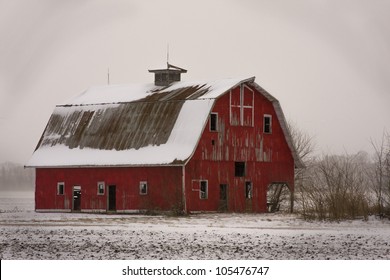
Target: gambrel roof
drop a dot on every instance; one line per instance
(133, 125)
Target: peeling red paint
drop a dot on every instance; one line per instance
(267, 156)
(239, 137)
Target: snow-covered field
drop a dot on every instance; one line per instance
(25, 234)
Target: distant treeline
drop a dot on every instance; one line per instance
(14, 177)
(337, 187)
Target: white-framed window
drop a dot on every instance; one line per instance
(100, 188)
(60, 188)
(143, 188)
(214, 122)
(267, 124)
(203, 191)
(248, 190)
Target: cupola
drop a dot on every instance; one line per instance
(164, 77)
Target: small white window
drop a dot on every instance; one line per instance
(100, 188)
(143, 188)
(203, 193)
(60, 188)
(213, 122)
(267, 124)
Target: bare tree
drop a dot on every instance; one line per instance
(380, 174)
(305, 147)
(303, 142)
(335, 188)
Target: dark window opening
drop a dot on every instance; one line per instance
(203, 190)
(100, 188)
(143, 188)
(239, 170)
(60, 188)
(213, 122)
(267, 124)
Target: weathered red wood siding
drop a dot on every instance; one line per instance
(164, 188)
(267, 156)
(239, 138)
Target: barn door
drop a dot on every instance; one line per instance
(223, 197)
(111, 198)
(76, 198)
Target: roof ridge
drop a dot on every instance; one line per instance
(126, 93)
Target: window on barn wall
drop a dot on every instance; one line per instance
(267, 124)
(100, 188)
(203, 191)
(60, 188)
(213, 122)
(143, 188)
(248, 190)
(242, 106)
(239, 169)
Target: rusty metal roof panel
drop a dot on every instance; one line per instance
(122, 127)
(134, 133)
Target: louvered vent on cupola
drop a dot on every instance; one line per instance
(164, 77)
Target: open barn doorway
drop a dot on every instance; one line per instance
(279, 197)
(111, 200)
(223, 197)
(76, 198)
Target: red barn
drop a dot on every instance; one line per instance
(171, 145)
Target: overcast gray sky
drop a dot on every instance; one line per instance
(328, 62)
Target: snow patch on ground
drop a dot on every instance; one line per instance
(25, 234)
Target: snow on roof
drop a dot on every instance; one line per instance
(112, 94)
(126, 125)
(137, 92)
(179, 146)
(93, 128)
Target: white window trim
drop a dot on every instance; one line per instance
(241, 106)
(200, 189)
(216, 122)
(270, 123)
(140, 187)
(104, 188)
(252, 107)
(234, 106)
(248, 195)
(58, 188)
